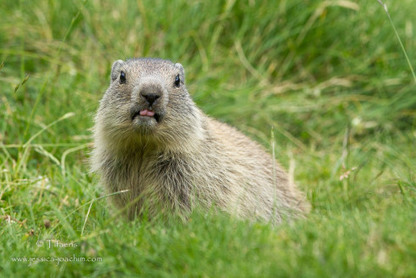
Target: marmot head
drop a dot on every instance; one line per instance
(147, 98)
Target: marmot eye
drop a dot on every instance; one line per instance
(122, 77)
(177, 81)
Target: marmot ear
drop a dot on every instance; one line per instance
(181, 71)
(115, 69)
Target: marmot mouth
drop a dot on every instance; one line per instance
(147, 113)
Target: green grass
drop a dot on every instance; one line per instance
(329, 79)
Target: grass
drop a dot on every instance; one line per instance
(329, 79)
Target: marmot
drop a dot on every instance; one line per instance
(151, 138)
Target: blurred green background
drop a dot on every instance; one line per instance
(326, 81)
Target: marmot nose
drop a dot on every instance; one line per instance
(150, 97)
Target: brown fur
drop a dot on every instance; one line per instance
(186, 158)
